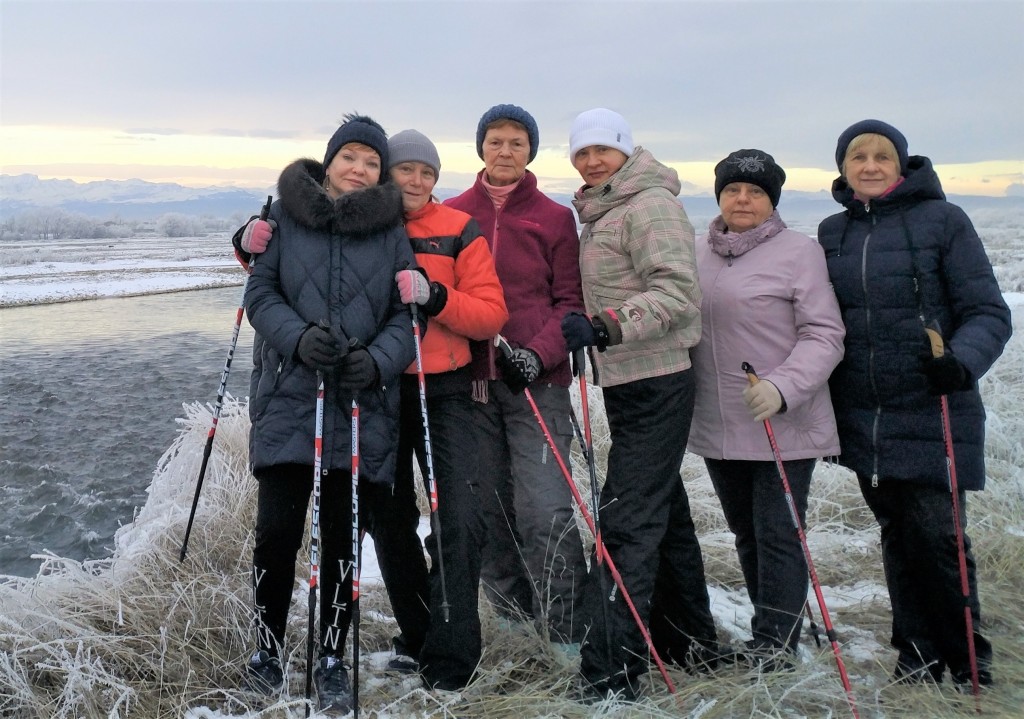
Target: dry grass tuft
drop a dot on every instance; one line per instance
(144, 635)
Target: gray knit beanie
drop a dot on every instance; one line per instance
(413, 146)
(508, 112)
(364, 130)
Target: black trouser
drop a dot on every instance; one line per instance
(771, 555)
(922, 571)
(647, 529)
(448, 651)
(282, 502)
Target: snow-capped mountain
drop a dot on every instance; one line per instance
(127, 198)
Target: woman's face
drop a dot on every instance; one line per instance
(354, 167)
(506, 152)
(597, 163)
(416, 180)
(871, 169)
(744, 206)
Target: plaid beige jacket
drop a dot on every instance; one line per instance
(637, 260)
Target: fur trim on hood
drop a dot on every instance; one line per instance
(360, 212)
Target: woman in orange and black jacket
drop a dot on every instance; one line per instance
(457, 294)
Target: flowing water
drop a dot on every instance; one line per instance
(89, 394)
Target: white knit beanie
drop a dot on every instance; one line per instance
(600, 127)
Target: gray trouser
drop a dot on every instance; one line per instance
(533, 561)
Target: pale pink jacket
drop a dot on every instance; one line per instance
(767, 300)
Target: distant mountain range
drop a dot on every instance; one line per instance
(137, 199)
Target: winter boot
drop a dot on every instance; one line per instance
(263, 673)
(402, 661)
(333, 691)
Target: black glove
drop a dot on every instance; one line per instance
(318, 349)
(357, 370)
(520, 369)
(945, 374)
(580, 330)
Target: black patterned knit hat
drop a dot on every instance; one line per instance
(754, 166)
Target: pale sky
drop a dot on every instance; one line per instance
(227, 92)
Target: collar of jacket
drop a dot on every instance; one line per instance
(360, 212)
(522, 194)
(734, 244)
(640, 172)
(920, 183)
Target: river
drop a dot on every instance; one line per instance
(89, 395)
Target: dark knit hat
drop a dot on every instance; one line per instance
(876, 127)
(754, 166)
(508, 112)
(413, 146)
(364, 130)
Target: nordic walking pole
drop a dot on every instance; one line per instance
(830, 632)
(502, 344)
(356, 547)
(435, 519)
(938, 350)
(580, 367)
(220, 400)
(314, 535)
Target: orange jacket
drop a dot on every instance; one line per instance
(449, 246)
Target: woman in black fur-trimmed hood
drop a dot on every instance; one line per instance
(322, 298)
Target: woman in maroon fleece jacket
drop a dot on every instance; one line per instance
(533, 562)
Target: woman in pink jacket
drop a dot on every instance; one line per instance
(767, 301)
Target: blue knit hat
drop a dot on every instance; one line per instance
(876, 127)
(508, 112)
(364, 130)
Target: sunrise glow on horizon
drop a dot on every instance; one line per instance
(88, 154)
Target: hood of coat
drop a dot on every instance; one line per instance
(641, 172)
(734, 244)
(360, 212)
(920, 183)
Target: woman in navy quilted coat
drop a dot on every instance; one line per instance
(902, 258)
(322, 298)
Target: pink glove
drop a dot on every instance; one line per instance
(763, 400)
(257, 235)
(412, 286)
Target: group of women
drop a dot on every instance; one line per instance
(835, 329)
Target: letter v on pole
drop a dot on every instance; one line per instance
(221, 391)
(830, 632)
(502, 344)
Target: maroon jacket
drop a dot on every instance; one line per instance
(537, 255)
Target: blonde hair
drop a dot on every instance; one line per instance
(871, 138)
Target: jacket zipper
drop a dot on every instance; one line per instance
(871, 355)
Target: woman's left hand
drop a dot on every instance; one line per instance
(763, 400)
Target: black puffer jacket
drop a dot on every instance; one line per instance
(897, 263)
(330, 260)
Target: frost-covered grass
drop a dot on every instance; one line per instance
(144, 635)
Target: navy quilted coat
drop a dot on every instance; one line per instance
(331, 260)
(897, 263)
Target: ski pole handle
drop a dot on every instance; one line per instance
(751, 374)
(265, 211)
(934, 333)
